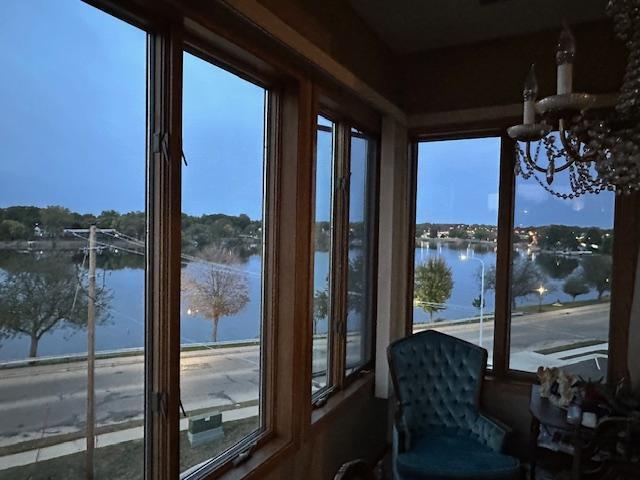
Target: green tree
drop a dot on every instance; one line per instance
(13, 230)
(575, 286)
(458, 233)
(433, 285)
(214, 288)
(596, 272)
(320, 307)
(41, 294)
(54, 219)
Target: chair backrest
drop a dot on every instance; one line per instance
(354, 470)
(437, 379)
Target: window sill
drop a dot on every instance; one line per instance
(356, 387)
(256, 466)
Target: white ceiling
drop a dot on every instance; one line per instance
(415, 25)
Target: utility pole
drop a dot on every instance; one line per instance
(91, 343)
(91, 354)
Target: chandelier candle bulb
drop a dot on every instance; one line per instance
(564, 59)
(530, 93)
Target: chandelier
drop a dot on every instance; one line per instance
(598, 147)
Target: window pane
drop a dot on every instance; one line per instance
(322, 253)
(560, 279)
(222, 253)
(456, 231)
(73, 135)
(359, 314)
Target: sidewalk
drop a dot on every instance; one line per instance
(104, 440)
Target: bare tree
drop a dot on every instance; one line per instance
(215, 288)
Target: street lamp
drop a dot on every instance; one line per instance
(464, 258)
(541, 291)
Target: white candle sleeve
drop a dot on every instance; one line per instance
(565, 78)
(529, 112)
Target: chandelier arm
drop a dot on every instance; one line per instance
(571, 154)
(530, 161)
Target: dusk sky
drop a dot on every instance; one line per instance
(73, 93)
(458, 183)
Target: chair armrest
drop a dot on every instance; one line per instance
(401, 434)
(491, 432)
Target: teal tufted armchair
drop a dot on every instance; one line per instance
(439, 432)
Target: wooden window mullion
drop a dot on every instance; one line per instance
(340, 252)
(162, 370)
(502, 316)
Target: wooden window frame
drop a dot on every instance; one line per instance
(625, 257)
(244, 448)
(343, 124)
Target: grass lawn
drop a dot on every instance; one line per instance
(124, 461)
(548, 307)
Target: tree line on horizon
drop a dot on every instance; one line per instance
(549, 237)
(236, 232)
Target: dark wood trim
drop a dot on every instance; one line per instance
(146, 15)
(411, 250)
(304, 193)
(435, 135)
(319, 416)
(220, 52)
(162, 341)
(506, 203)
(626, 241)
(345, 108)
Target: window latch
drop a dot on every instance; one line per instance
(159, 401)
(160, 144)
(339, 328)
(244, 455)
(344, 182)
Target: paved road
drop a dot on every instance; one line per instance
(539, 331)
(48, 400)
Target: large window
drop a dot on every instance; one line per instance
(153, 214)
(72, 242)
(223, 258)
(561, 279)
(456, 238)
(558, 254)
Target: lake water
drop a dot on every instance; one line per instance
(125, 327)
(466, 280)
